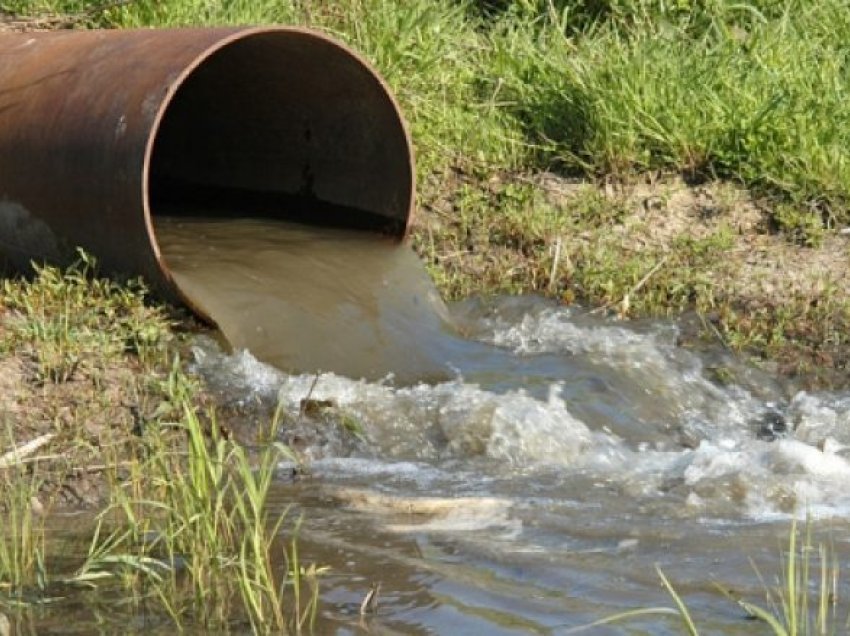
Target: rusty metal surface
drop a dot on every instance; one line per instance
(98, 127)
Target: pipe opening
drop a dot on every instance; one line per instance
(285, 124)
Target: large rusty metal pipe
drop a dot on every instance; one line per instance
(102, 130)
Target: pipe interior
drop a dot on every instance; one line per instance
(283, 124)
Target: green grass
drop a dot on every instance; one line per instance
(185, 533)
(187, 536)
(737, 90)
(68, 318)
(806, 600)
(22, 537)
(192, 538)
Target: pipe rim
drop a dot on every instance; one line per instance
(229, 37)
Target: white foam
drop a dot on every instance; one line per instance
(770, 479)
(816, 417)
(728, 472)
(658, 376)
(452, 419)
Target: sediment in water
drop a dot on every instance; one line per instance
(308, 299)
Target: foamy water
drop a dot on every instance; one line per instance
(672, 428)
(537, 486)
(552, 460)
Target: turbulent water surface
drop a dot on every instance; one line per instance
(550, 461)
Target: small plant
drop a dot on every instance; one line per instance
(22, 535)
(806, 600)
(66, 319)
(186, 533)
(193, 534)
(803, 227)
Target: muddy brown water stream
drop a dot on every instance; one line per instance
(525, 477)
(305, 298)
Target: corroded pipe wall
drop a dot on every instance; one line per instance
(98, 129)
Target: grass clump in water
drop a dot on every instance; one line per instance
(803, 603)
(22, 538)
(806, 600)
(199, 542)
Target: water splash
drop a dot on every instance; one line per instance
(654, 427)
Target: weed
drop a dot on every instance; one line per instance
(195, 534)
(186, 533)
(806, 600)
(65, 319)
(801, 226)
(22, 535)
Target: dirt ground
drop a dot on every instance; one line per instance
(768, 267)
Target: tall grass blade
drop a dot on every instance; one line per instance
(623, 616)
(683, 610)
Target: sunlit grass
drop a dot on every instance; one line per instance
(186, 533)
(188, 536)
(22, 537)
(806, 599)
(63, 319)
(195, 537)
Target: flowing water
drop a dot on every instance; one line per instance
(549, 461)
(308, 298)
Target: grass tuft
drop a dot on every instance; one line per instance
(99, 411)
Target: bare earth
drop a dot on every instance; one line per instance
(767, 268)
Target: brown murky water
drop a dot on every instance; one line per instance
(546, 465)
(308, 299)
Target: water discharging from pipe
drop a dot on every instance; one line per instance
(306, 298)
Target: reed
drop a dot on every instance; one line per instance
(22, 538)
(200, 543)
(805, 601)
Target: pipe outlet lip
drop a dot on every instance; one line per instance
(285, 115)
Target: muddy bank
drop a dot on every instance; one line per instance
(655, 245)
(87, 365)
